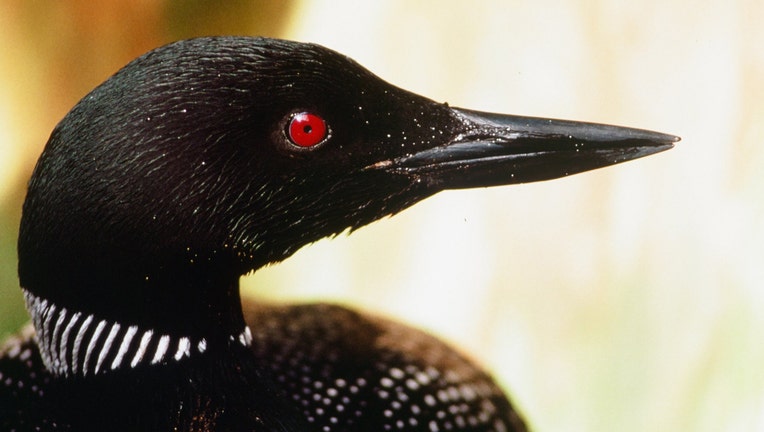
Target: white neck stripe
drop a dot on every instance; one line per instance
(65, 336)
(107, 346)
(145, 339)
(78, 342)
(56, 329)
(124, 346)
(91, 345)
(164, 341)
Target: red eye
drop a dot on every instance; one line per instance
(306, 129)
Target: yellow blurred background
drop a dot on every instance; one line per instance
(628, 299)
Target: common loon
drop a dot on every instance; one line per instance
(209, 158)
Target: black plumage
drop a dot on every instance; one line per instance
(209, 158)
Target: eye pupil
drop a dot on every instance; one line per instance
(306, 129)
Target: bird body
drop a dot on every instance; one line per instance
(206, 159)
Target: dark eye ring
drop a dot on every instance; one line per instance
(307, 130)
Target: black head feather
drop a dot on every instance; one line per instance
(179, 169)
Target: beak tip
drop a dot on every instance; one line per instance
(667, 142)
(671, 139)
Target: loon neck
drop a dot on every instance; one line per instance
(88, 331)
(73, 343)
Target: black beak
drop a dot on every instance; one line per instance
(494, 149)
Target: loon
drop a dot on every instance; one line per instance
(207, 159)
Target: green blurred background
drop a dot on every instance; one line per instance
(625, 299)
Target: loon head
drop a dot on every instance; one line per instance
(208, 158)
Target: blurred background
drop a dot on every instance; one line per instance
(628, 299)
